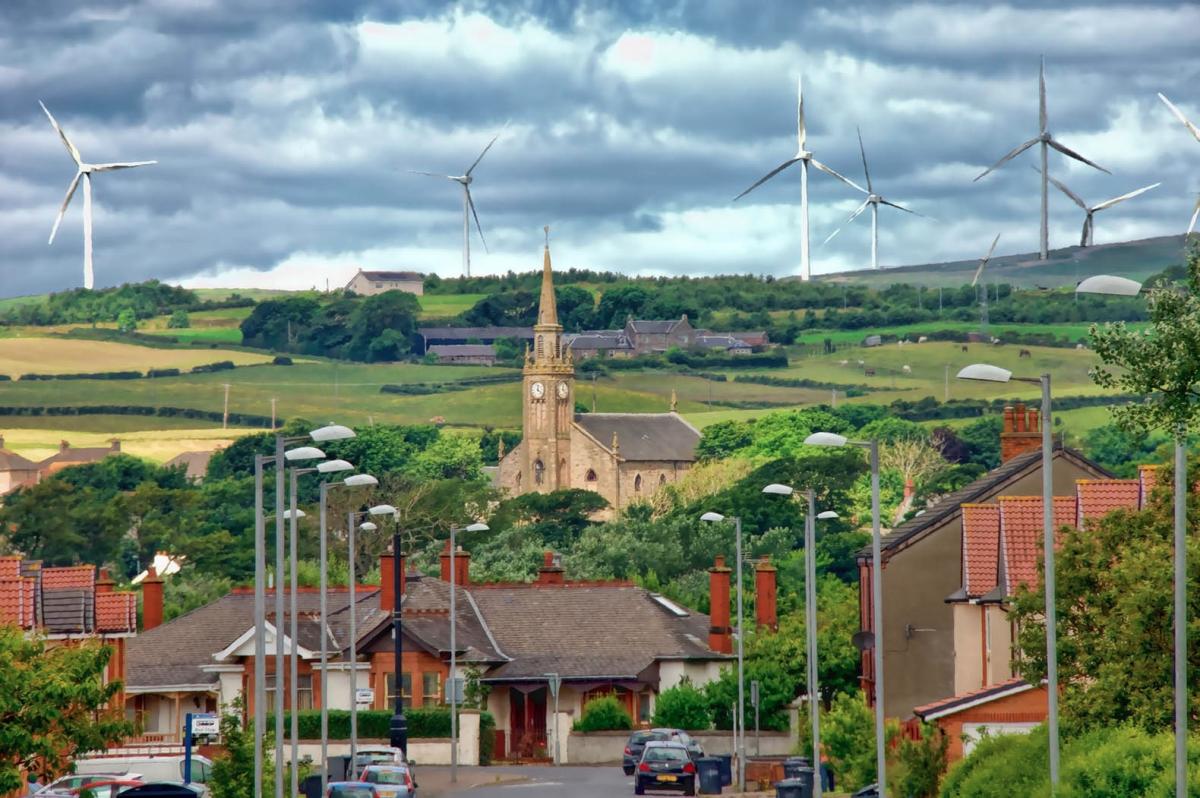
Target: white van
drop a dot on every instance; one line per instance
(150, 768)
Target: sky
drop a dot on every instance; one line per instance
(285, 130)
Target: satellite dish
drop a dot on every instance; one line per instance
(864, 640)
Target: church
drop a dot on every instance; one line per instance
(625, 457)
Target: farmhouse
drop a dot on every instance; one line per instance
(372, 283)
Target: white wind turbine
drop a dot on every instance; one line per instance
(1195, 131)
(1047, 141)
(465, 181)
(874, 200)
(804, 158)
(1085, 240)
(983, 311)
(84, 172)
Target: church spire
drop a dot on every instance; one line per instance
(547, 306)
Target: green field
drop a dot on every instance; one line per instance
(1071, 331)
(444, 306)
(72, 356)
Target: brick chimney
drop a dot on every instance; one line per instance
(462, 565)
(765, 615)
(63, 446)
(720, 634)
(104, 582)
(1022, 432)
(115, 445)
(387, 580)
(551, 573)
(152, 601)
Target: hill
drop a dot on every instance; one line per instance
(1065, 267)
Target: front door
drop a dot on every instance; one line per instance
(527, 714)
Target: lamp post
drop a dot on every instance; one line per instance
(1121, 286)
(989, 373)
(810, 619)
(872, 447)
(478, 527)
(739, 740)
(366, 526)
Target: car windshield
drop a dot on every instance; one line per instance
(391, 776)
(641, 738)
(665, 754)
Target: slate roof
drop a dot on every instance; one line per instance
(717, 341)
(462, 350)
(11, 461)
(71, 455)
(398, 276)
(482, 333)
(426, 617)
(643, 436)
(1096, 498)
(586, 631)
(654, 326)
(598, 340)
(981, 548)
(1021, 534)
(195, 464)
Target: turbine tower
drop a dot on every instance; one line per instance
(465, 181)
(1047, 141)
(804, 158)
(83, 172)
(1085, 240)
(983, 310)
(874, 200)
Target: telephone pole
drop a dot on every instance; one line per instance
(225, 412)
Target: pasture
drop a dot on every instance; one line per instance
(64, 356)
(154, 444)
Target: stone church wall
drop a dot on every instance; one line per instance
(653, 473)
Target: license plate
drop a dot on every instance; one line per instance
(665, 777)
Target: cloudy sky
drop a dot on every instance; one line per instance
(284, 129)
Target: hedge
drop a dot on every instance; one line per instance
(220, 365)
(423, 723)
(96, 375)
(162, 373)
(239, 419)
(426, 388)
(281, 360)
(793, 382)
(5, 378)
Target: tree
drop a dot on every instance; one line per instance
(915, 459)
(54, 705)
(179, 320)
(233, 771)
(126, 321)
(381, 326)
(982, 438)
(604, 713)
(682, 707)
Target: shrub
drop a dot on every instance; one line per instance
(849, 737)
(220, 365)
(603, 714)
(162, 373)
(281, 360)
(422, 723)
(1001, 766)
(922, 763)
(487, 738)
(179, 320)
(682, 707)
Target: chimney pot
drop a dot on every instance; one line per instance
(551, 573)
(152, 600)
(1021, 432)
(765, 595)
(720, 633)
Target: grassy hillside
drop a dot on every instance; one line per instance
(63, 356)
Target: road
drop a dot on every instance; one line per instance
(540, 782)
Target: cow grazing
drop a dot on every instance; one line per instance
(1025, 353)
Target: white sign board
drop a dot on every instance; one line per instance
(554, 682)
(205, 724)
(364, 695)
(455, 691)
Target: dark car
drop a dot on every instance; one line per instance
(665, 765)
(636, 744)
(350, 789)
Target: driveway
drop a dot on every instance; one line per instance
(534, 781)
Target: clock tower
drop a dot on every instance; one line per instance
(549, 396)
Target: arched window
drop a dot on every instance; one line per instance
(518, 480)
(637, 484)
(662, 479)
(539, 472)
(590, 476)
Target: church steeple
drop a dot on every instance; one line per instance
(547, 306)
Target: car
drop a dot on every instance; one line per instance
(390, 781)
(350, 789)
(109, 788)
(66, 785)
(378, 755)
(168, 767)
(665, 765)
(636, 744)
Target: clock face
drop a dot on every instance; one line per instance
(537, 390)
(563, 390)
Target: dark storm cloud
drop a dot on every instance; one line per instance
(284, 129)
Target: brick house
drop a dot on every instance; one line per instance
(17, 471)
(651, 336)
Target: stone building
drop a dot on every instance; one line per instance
(371, 283)
(622, 456)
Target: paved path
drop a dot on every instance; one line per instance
(532, 781)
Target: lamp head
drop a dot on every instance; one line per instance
(826, 439)
(1108, 284)
(712, 517)
(828, 515)
(358, 480)
(367, 526)
(287, 514)
(330, 466)
(778, 490)
(331, 432)
(984, 372)
(304, 453)
(476, 527)
(383, 509)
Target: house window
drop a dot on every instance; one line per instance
(539, 472)
(304, 691)
(637, 484)
(406, 683)
(431, 688)
(591, 475)
(662, 479)
(379, 285)
(270, 690)
(644, 707)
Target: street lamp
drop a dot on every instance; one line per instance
(810, 612)
(988, 373)
(872, 447)
(366, 526)
(714, 518)
(476, 527)
(1121, 286)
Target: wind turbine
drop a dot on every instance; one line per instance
(1047, 141)
(1085, 239)
(874, 200)
(983, 311)
(1195, 131)
(465, 181)
(804, 158)
(84, 172)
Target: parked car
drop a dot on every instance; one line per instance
(686, 740)
(390, 781)
(636, 744)
(66, 785)
(150, 768)
(109, 788)
(350, 789)
(665, 765)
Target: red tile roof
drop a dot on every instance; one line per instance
(83, 576)
(116, 612)
(10, 567)
(981, 548)
(1148, 474)
(1021, 535)
(16, 602)
(1099, 497)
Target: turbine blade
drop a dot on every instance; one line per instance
(1123, 197)
(1070, 153)
(767, 177)
(110, 167)
(1006, 158)
(66, 201)
(801, 132)
(850, 219)
(1087, 225)
(1195, 215)
(863, 151)
(841, 177)
(485, 149)
(1078, 200)
(986, 258)
(66, 141)
(471, 205)
(899, 207)
(1179, 114)
(430, 174)
(1042, 121)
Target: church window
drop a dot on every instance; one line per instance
(637, 484)
(518, 480)
(662, 479)
(539, 472)
(591, 475)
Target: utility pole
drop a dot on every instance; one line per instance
(939, 300)
(946, 397)
(225, 412)
(273, 424)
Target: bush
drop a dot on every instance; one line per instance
(604, 714)
(487, 738)
(221, 365)
(179, 320)
(922, 763)
(682, 707)
(281, 360)
(1001, 766)
(422, 723)
(162, 373)
(849, 736)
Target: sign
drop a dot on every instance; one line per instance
(554, 681)
(364, 695)
(206, 724)
(455, 690)
(754, 693)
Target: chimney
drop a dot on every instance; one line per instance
(63, 446)
(720, 635)
(152, 601)
(551, 572)
(387, 580)
(104, 583)
(1022, 431)
(116, 445)
(764, 596)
